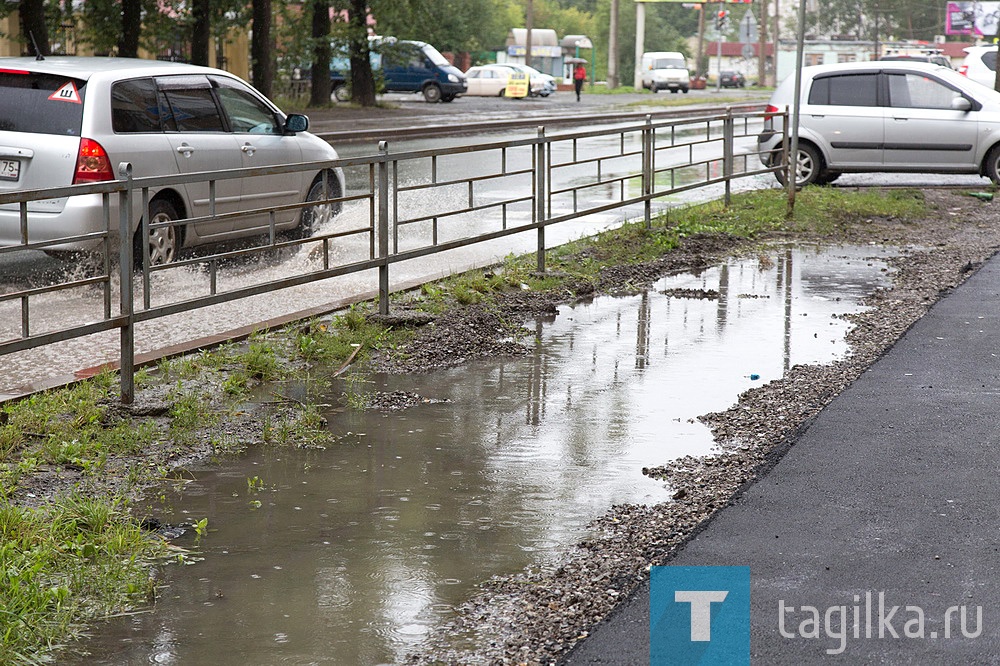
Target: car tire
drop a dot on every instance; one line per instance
(313, 217)
(827, 177)
(654, 89)
(341, 94)
(808, 167)
(448, 98)
(503, 91)
(432, 93)
(684, 90)
(991, 167)
(163, 242)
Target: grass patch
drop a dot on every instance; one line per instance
(64, 564)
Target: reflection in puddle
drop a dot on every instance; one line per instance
(354, 554)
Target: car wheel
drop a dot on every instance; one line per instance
(807, 168)
(432, 93)
(163, 242)
(503, 91)
(684, 90)
(341, 94)
(827, 177)
(314, 217)
(654, 88)
(992, 166)
(448, 98)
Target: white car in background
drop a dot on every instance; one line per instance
(491, 80)
(885, 116)
(486, 80)
(72, 120)
(542, 85)
(980, 65)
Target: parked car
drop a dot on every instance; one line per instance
(491, 81)
(404, 66)
(936, 59)
(980, 65)
(486, 80)
(729, 78)
(886, 116)
(542, 85)
(89, 114)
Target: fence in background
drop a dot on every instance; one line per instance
(413, 204)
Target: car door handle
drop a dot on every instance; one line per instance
(185, 150)
(248, 148)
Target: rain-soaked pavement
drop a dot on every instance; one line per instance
(353, 554)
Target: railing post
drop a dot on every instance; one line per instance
(540, 198)
(383, 228)
(647, 170)
(790, 163)
(127, 359)
(727, 153)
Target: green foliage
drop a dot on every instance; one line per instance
(64, 564)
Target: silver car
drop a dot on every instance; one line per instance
(886, 116)
(69, 120)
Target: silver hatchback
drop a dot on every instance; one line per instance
(886, 117)
(71, 120)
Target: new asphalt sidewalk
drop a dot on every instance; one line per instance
(893, 489)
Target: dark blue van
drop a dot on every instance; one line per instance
(404, 66)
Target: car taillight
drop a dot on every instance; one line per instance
(92, 163)
(769, 111)
(964, 70)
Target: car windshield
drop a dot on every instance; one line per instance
(56, 103)
(435, 56)
(669, 63)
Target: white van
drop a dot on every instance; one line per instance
(665, 70)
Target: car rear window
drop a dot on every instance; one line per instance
(847, 90)
(990, 59)
(134, 106)
(191, 105)
(41, 103)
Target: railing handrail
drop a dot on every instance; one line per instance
(130, 196)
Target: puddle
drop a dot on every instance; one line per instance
(354, 554)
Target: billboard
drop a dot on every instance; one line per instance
(972, 18)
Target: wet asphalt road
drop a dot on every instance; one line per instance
(892, 489)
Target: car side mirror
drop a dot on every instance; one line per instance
(296, 122)
(960, 103)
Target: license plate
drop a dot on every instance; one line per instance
(10, 169)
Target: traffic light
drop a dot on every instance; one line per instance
(722, 19)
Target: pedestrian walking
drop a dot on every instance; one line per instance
(579, 76)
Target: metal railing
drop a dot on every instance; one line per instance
(413, 204)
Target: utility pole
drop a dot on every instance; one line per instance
(640, 42)
(777, 37)
(529, 19)
(698, 71)
(761, 44)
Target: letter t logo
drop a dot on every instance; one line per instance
(701, 610)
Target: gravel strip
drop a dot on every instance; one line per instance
(535, 617)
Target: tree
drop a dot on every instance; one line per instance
(201, 32)
(261, 53)
(362, 79)
(320, 92)
(33, 26)
(128, 41)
